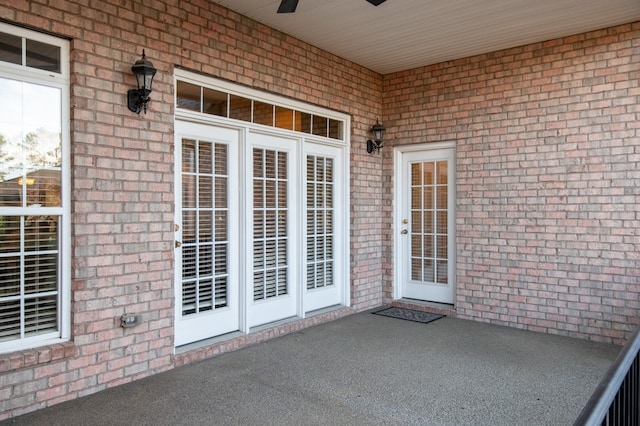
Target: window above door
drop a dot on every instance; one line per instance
(255, 107)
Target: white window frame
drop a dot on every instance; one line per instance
(59, 81)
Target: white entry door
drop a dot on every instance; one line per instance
(272, 235)
(425, 218)
(206, 232)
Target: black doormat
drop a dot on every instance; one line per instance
(408, 314)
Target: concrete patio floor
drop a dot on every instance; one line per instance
(363, 370)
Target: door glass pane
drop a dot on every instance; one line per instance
(270, 212)
(429, 222)
(320, 214)
(204, 226)
(442, 169)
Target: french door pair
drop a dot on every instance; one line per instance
(255, 229)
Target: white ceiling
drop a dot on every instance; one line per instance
(405, 34)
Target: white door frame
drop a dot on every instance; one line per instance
(399, 153)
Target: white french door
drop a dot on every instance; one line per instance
(272, 249)
(206, 232)
(261, 209)
(323, 248)
(425, 218)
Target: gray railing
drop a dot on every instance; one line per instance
(616, 400)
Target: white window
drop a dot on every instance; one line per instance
(34, 182)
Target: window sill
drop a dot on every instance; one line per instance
(32, 357)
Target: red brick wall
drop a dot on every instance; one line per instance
(548, 182)
(122, 177)
(547, 198)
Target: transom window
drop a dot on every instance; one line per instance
(206, 100)
(34, 201)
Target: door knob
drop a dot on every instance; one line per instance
(178, 244)
(404, 232)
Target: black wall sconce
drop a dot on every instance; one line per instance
(144, 71)
(375, 144)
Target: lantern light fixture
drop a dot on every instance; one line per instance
(144, 71)
(375, 144)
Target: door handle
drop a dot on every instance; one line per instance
(178, 244)
(404, 232)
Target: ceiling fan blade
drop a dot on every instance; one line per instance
(288, 6)
(376, 2)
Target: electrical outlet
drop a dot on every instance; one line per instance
(129, 320)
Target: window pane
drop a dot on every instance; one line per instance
(41, 273)
(10, 48)
(43, 56)
(336, 129)
(9, 320)
(40, 233)
(9, 234)
(302, 122)
(262, 113)
(30, 160)
(320, 125)
(284, 118)
(43, 188)
(9, 276)
(188, 96)
(30, 145)
(214, 102)
(239, 108)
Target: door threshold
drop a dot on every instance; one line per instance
(207, 342)
(425, 306)
(273, 324)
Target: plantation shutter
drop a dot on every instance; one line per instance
(205, 243)
(320, 216)
(270, 217)
(28, 300)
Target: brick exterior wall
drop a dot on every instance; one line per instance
(122, 177)
(548, 183)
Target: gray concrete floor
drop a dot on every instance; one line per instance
(363, 369)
